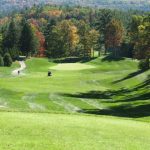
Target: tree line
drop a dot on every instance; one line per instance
(63, 31)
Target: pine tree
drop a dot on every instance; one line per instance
(1, 40)
(7, 60)
(10, 39)
(1, 61)
(105, 17)
(28, 42)
(50, 38)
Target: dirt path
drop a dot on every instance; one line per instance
(22, 67)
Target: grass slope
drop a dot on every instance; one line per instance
(111, 88)
(71, 132)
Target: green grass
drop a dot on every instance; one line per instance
(71, 132)
(86, 90)
(111, 88)
(72, 66)
(6, 71)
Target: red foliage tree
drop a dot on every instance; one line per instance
(40, 37)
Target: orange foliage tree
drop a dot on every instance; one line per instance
(114, 35)
(41, 39)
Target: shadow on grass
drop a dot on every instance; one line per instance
(143, 97)
(110, 58)
(121, 92)
(123, 111)
(145, 84)
(98, 94)
(120, 102)
(131, 75)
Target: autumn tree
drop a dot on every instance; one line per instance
(64, 39)
(92, 41)
(69, 37)
(142, 44)
(134, 28)
(73, 39)
(114, 36)
(39, 39)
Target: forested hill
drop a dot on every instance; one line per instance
(11, 5)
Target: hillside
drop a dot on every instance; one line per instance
(10, 5)
(120, 90)
(74, 78)
(81, 106)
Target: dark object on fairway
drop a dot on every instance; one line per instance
(18, 72)
(49, 73)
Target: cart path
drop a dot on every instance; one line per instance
(22, 67)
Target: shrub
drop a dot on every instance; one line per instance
(144, 64)
(14, 53)
(7, 60)
(1, 61)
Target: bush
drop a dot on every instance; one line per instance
(7, 60)
(144, 64)
(14, 53)
(1, 61)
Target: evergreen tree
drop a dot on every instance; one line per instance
(7, 60)
(50, 38)
(1, 61)
(105, 17)
(10, 38)
(83, 31)
(28, 42)
(1, 39)
(53, 42)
